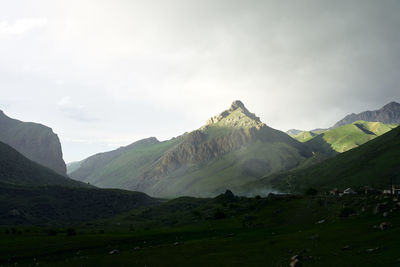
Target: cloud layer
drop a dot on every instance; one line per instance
(105, 73)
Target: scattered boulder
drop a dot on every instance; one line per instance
(321, 221)
(347, 247)
(372, 249)
(295, 263)
(385, 214)
(385, 225)
(296, 257)
(114, 252)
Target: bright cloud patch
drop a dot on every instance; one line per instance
(21, 26)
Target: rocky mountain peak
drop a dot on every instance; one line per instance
(237, 104)
(389, 113)
(237, 116)
(391, 106)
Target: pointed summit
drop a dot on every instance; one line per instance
(236, 116)
(237, 104)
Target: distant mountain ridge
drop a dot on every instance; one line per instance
(35, 141)
(388, 114)
(232, 148)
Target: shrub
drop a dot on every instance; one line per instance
(71, 232)
(311, 192)
(346, 212)
(219, 214)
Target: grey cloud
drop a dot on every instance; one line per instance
(159, 68)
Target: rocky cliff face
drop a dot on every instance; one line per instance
(35, 141)
(389, 114)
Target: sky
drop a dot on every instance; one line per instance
(103, 74)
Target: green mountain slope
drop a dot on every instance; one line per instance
(35, 141)
(374, 163)
(113, 169)
(304, 136)
(347, 137)
(233, 148)
(18, 170)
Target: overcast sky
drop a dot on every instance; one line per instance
(106, 73)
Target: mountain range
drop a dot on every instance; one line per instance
(388, 114)
(233, 148)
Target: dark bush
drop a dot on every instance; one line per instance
(71, 232)
(346, 212)
(311, 192)
(52, 232)
(219, 214)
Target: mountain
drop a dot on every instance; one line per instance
(304, 136)
(233, 148)
(35, 141)
(375, 163)
(82, 169)
(293, 132)
(15, 169)
(34, 194)
(347, 137)
(389, 114)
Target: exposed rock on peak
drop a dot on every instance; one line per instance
(389, 114)
(237, 104)
(236, 116)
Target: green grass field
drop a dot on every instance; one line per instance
(218, 232)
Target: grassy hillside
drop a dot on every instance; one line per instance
(304, 136)
(118, 170)
(232, 149)
(234, 169)
(72, 166)
(18, 170)
(352, 135)
(225, 231)
(374, 163)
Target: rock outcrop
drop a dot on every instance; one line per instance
(389, 114)
(35, 141)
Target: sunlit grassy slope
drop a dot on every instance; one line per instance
(120, 171)
(374, 163)
(343, 138)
